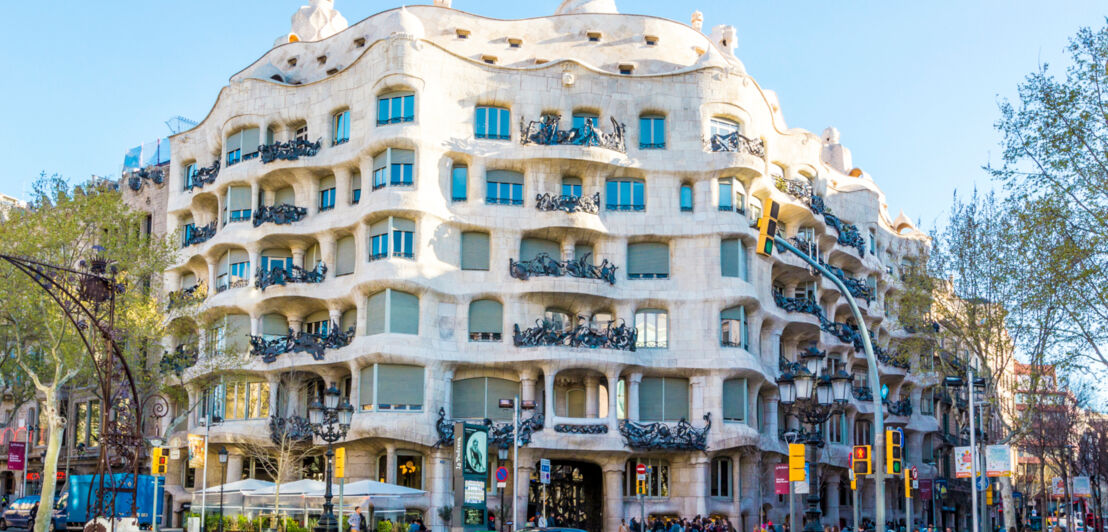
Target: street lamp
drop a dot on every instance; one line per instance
(813, 399)
(223, 475)
(978, 386)
(515, 404)
(330, 421)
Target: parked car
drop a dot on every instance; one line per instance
(20, 513)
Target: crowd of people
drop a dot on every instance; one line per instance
(666, 524)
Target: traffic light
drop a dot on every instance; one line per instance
(157, 461)
(853, 478)
(640, 486)
(893, 460)
(863, 460)
(340, 462)
(767, 227)
(796, 462)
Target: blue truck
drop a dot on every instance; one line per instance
(78, 505)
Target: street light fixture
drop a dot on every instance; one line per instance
(223, 476)
(515, 404)
(330, 421)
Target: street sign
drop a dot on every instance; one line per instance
(982, 481)
(340, 462)
(640, 471)
(544, 471)
(502, 474)
(801, 487)
(797, 465)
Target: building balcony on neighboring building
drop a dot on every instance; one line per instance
(200, 177)
(546, 132)
(552, 333)
(587, 204)
(280, 276)
(290, 150)
(545, 265)
(153, 174)
(282, 214)
(270, 347)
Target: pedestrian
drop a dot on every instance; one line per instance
(623, 525)
(636, 526)
(356, 520)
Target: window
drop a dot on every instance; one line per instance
(721, 477)
(301, 133)
(626, 69)
(395, 107)
(274, 326)
(489, 59)
(593, 36)
(514, 43)
(663, 399)
(190, 174)
(657, 477)
(87, 423)
(734, 400)
(340, 128)
(835, 429)
(734, 330)
(651, 40)
(927, 402)
(345, 255)
(863, 433)
(479, 398)
(276, 259)
(571, 186)
(686, 198)
(580, 118)
(531, 248)
(355, 187)
(807, 291)
(653, 328)
(475, 251)
(327, 193)
(391, 388)
(486, 320)
(409, 469)
(393, 167)
(236, 205)
(241, 399)
(872, 242)
(625, 195)
(652, 133)
(459, 182)
(732, 259)
(392, 311)
(242, 145)
(234, 269)
(503, 187)
(724, 126)
(318, 323)
(397, 232)
(493, 123)
(648, 260)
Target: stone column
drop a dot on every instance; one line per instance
(342, 187)
(831, 492)
(213, 274)
(296, 322)
(568, 247)
(592, 395)
(255, 196)
(327, 248)
(613, 402)
(526, 468)
(613, 495)
(751, 496)
(313, 197)
(771, 414)
(527, 385)
(548, 394)
(356, 386)
(699, 463)
(390, 463)
(633, 381)
(234, 468)
(697, 403)
(219, 204)
(254, 252)
(297, 256)
(737, 486)
(440, 484)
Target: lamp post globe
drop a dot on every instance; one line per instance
(804, 383)
(786, 385)
(330, 421)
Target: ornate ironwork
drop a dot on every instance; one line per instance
(817, 205)
(87, 298)
(736, 142)
(289, 151)
(546, 132)
(848, 233)
(295, 428)
(567, 428)
(545, 265)
(187, 296)
(585, 204)
(199, 235)
(546, 332)
(786, 366)
(202, 176)
(663, 436)
(500, 434)
(798, 304)
(178, 360)
(902, 407)
(862, 393)
(153, 174)
(280, 276)
(238, 283)
(796, 188)
(300, 342)
(282, 214)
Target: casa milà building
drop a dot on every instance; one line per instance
(435, 210)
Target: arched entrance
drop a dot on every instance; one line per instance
(574, 497)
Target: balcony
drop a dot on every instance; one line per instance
(681, 436)
(902, 407)
(862, 393)
(269, 348)
(282, 214)
(187, 296)
(548, 333)
(546, 132)
(543, 265)
(289, 151)
(202, 177)
(796, 188)
(569, 204)
(280, 276)
(570, 428)
(500, 434)
(237, 283)
(798, 304)
(179, 360)
(890, 359)
(198, 235)
(153, 174)
(737, 143)
(848, 233)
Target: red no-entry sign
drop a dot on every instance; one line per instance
(641, 470)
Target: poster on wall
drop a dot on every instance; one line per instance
(963, 460)
(998, 461)
(196, 451)
(476, 449)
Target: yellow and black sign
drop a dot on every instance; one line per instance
(340, 462)
(796, 463)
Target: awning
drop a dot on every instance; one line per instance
(248, 485)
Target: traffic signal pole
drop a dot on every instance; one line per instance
(874, 380)
(908, 521)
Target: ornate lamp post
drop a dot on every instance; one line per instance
(223, 477)
(813, 399)
(330, 421)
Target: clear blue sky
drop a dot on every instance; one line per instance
(912, 86)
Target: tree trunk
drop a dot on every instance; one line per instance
(1042, 484)
(50, 467)
(1071, 523)
(1009, 503)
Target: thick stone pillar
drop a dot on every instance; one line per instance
(613, 402)
(633, 381)
(274, 380)
(254, 252)
(831, 493)
(254, 198)
(327, 245)
(342, 187)
(738, 484)
(440, 485)
(526, 385)
(297, 256)
(699, 463)
(234, 468)
(356, 399)
(548, 394)
(771, 415)
(390, 463)
(613, 495)
(592, 395)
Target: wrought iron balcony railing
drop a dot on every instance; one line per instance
(786, 366)
(890, 359)
(548, 333)
(500, 434)
(198, 235)
(586, 204)
(186, 296)
(664, 436)
(848, 233)
(736, 142)
(902, 407)
(179, 360)
(544, 265)
(282, 214)
(547, 133)
(862, 393)
(280, 276)
(796, 188)
(300, 342)
(202, 176)
(289, 151)
(569, 428)
(798, 304)
(153, 174)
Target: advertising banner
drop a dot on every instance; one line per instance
(781, 479)
(1082, 487)
(17, 453)
(196, 451)
(998, 461)
(925, 489)
(1057, 487)
(963, 460)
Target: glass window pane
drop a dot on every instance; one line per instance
(638, 200)
(624, 193)
(505, 123)
(479, 121)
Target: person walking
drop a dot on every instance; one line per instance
(357, 522)
(623, 525)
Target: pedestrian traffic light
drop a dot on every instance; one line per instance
(767, 227)
(893, 461)
(863, 464)
(640, 487)
(157, 461)
(340, 462)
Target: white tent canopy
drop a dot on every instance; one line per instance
(299, 487)
(372, 488)
(241, 486)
